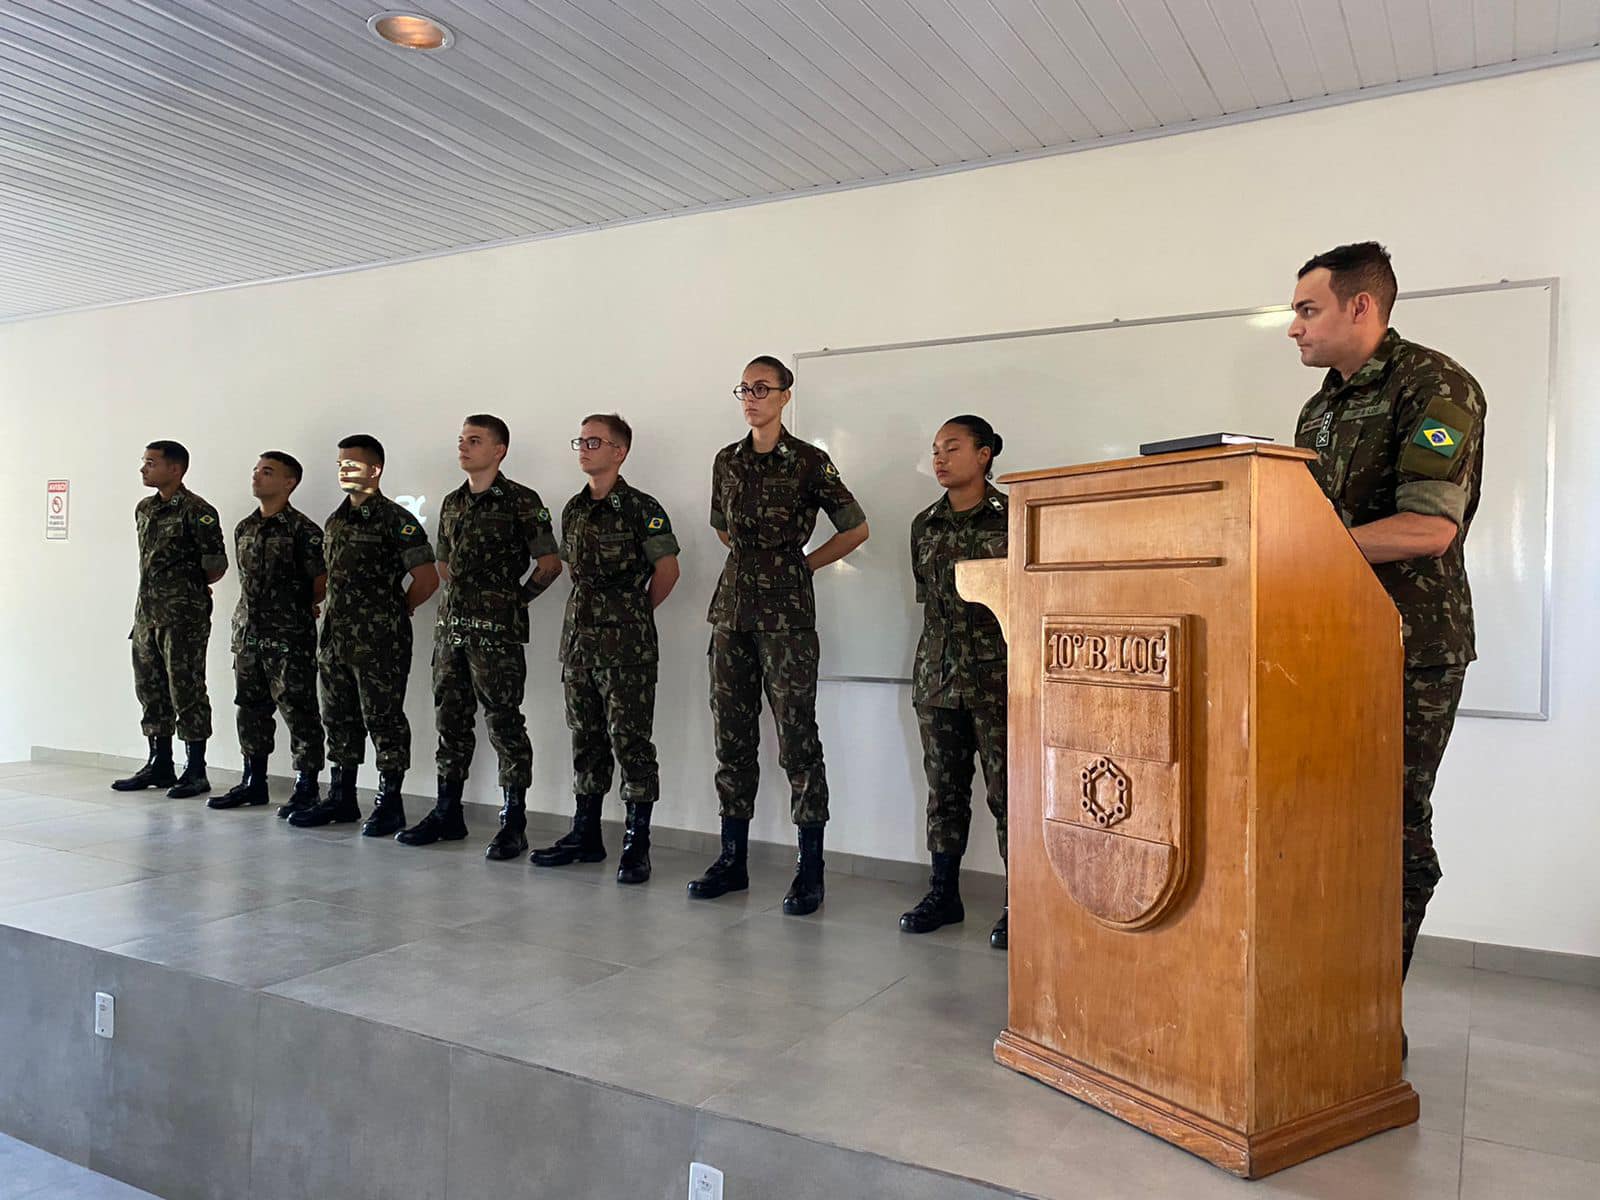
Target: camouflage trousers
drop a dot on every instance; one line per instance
(952, 738)
(269, 676)
(370, 698)
(784, 665)
(169, 678)
(495, 675)
(1432, 695)
(611, 712)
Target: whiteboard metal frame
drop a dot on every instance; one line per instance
(1553, 283)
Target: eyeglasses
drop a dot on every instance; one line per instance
(759, 390)
(592, 443)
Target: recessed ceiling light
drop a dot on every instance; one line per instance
(410, 31)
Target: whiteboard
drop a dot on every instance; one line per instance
(1095, 392)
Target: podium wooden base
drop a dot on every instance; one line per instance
(1249, 1156)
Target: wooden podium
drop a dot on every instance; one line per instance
(1205, 818)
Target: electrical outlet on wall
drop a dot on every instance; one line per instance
(705, 1182)
(105, 1014)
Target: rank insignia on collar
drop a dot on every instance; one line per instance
(995, 503)
(496, 491)
(616, 501)
(783, 450)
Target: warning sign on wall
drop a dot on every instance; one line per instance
(56, 492)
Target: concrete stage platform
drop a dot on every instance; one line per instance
(314, 1014)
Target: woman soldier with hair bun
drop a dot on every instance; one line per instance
(959, 685)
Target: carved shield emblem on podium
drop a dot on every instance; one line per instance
(1115, 724)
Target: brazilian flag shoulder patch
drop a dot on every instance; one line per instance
(207, 519)
(1442, 439)
(1435, 450)
(655, 524)
(408, 530)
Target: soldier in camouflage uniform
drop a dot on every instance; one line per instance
(490, 531)
(371, 544)
(1398, 430)
(959, 685)
(765, 493)
(181, 554)
(282, 576)
(620, 547)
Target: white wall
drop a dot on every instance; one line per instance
(1475, 183)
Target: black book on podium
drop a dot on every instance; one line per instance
(1199, 442)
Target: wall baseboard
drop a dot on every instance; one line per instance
(1553, 965)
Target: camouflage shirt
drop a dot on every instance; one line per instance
(612, 547)
(1405, 434)
(767, 505)
(961, 653)
(370, 547)
(489, 540)
(280, 558)
(180, 543)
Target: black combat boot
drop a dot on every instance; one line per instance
(193, 781)
(729, 873)
(805, 893)
(251, 790)
(582, 843)
(340, 807)
(512, 840)
(634, 865)
(305, 795)
(157, 771)
(1000, 935)
(445, 823)
(942, 905)
(388, 809)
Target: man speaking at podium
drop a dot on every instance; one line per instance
(1398, 431)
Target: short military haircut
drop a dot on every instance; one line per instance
(501, 431)
(291, 464)
(779, 368)
(175, 452)
(1356, 268)
(364, 441)
(619, 428)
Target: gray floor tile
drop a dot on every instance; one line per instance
(444, 984)
(617, 924)
(144, 908)
(58, 873)
(271, 944)
(1533, 1097)
(28, 809)
(663, 1035)
(801, 958)
(525, 1131)
(854, 1083)
(1539, 1012)
(25, 1169)
(346, 1108)
(1493, 1172)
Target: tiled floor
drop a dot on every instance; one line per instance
(838, 1028)
(30, 1174)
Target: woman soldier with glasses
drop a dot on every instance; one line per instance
(765, 493)
(959, 683)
